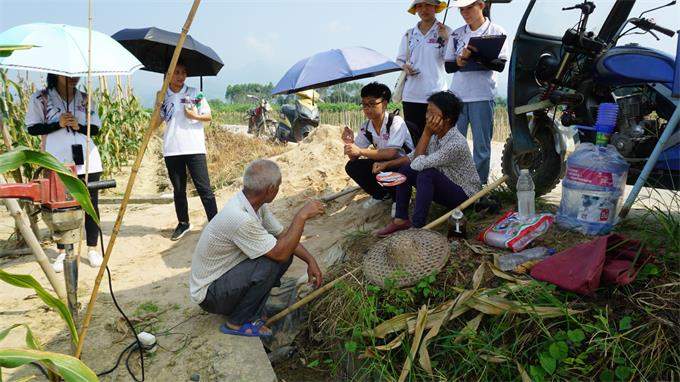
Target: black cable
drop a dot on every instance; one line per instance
(42, 369)
(120, 357)
(132, 327)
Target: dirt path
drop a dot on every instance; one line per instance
(150, 272)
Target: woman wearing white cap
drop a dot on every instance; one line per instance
(474, 79)
(421, 55)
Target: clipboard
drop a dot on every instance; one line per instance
(488, 47)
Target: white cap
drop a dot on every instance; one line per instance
(462, 3)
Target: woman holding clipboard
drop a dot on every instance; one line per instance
(474, 53)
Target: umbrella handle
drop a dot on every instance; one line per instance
(446, 12)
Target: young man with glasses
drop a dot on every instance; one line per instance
(381, 138)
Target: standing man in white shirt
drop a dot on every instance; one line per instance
(474, 79)
(423, 61)
(184, 111)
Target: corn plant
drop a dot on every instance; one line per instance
(123, 123)
(56, 364)
(123, 120)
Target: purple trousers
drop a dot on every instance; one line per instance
(431, 185)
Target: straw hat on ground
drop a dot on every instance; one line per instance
(406, 257)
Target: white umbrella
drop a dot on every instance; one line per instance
(63, 49)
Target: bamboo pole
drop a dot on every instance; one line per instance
(88, 119)
(308, 298)
(22, 222)
(153, 125)
(332, 197)
(468, 203)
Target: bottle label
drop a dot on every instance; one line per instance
(588, 176)
(596, 208)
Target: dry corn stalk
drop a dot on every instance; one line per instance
(484, 300)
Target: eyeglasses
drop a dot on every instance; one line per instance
(368, 105)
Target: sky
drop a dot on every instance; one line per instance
(259, 40)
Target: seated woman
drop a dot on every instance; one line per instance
(441, 167)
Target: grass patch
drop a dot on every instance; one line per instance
(146, 308)
(622, 333)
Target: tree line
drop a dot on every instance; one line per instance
(348, 92)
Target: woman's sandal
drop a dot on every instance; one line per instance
(249, 329)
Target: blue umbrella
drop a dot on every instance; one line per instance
(62, 49)
(333, 67)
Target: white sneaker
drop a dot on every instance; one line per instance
(95, 258)
(370, 203)
(394, 209)
(58, 264)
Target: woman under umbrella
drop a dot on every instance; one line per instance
(421, 55)
(184, 111)
(58, 114)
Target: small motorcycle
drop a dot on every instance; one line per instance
(259, 123)
(302, 118)
(559, 75)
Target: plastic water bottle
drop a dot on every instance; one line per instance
(592, 189)
(513, 260)
(526, 205)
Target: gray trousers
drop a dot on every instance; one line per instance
(241, 293)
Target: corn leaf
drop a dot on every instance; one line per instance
(392, 344)
(27, 281)
(523, 373)
(69, 368)
(420, 328)
(31, 341)
(469, 329)
(13, 159)
(478, 276)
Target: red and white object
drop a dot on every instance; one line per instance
(510, 232)
(390, 179)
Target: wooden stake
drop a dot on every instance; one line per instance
(153, 125)
(22, 223)
(468, 203)
(308, 298)
(347, 191)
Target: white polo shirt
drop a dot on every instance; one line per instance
(426, 56)
(396, 139)
(183, 135)
(480, 85)
(46, 106)
(235, 234)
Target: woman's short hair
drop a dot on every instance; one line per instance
(377, 90)
(261, 174)
(448, 103)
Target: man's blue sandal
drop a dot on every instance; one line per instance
(254, 328)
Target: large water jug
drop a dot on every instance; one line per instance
(592, 189)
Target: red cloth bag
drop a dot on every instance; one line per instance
(581, 268)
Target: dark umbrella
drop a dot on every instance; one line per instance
(154, 47)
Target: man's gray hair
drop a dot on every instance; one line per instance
(260, 174)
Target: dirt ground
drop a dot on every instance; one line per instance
(150, 272)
